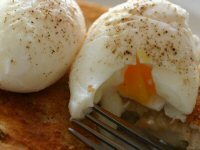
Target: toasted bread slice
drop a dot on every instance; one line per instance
(91, 11)
(40, 121)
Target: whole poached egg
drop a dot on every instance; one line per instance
(141, 50)
(38, 42)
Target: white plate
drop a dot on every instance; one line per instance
(192, 6)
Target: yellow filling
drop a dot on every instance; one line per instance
(138, 83)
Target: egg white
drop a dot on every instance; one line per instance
(158, 32)
(38, 42)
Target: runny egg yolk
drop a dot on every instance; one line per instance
(138, 83)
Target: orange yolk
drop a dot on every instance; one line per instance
(138, 83)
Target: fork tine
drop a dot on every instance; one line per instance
(88, 142)
(115, 133)
(99, 135)
(135, 132)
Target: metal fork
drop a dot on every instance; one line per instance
(134, 138)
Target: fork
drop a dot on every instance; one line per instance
(134, 139)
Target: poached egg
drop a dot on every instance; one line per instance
(141, 50)
(38, 42)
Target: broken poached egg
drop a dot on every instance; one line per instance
(141, 50)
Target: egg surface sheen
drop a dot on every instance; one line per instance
(39, 40)
(157, 34)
